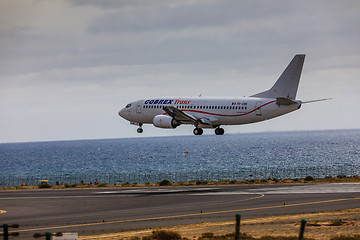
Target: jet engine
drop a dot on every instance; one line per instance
(163, 121)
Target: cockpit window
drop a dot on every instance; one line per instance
(129, 105)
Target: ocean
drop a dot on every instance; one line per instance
(284, 154)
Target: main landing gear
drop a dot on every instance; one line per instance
(140, 130)
(198, 131)
(219, 131)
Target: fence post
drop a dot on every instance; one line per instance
(237, 227)
(6, 231)
(302, 229)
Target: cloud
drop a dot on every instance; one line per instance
(63, 63)
(128, 32)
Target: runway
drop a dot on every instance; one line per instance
(95, 211)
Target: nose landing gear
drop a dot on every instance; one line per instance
(140, 130)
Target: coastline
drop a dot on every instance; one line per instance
(166, 183)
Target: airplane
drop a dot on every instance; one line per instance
(171, 112)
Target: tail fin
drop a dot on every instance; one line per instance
(287, 84)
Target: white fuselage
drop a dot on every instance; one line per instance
(214, 112)
(219, 111)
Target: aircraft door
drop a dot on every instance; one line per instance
(258, 111)
(138, 107)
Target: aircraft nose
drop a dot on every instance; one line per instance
(123, 112)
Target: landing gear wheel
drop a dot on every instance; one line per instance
(140, 130)
(219, 131)
(198, 131)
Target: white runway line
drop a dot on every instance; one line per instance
(304, 189)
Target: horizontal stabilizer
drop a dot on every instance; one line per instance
(284, 101)
(318, 100)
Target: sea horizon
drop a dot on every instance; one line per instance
(180, 135)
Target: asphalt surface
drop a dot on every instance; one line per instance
(96, 211)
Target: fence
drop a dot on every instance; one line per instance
(154, 177)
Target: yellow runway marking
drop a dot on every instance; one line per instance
(2, 211)
(187, 206)
(190, 215)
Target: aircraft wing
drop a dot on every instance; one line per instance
(184, 117)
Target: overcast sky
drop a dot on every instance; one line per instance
(68, 67)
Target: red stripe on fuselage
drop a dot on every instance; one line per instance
(223, 115)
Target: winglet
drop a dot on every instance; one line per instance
(287, 84)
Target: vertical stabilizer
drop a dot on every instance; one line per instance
(287, 84)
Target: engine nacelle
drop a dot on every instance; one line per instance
(163, 121)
